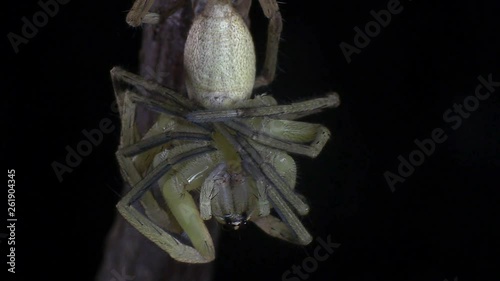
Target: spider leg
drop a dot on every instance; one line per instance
(171, 172)
(164, 142)
(160, 95)
(160, 237)
(267, 100)
(129, 169)
(207, 192)
(159, 215)
(283, 166)
(160, 99)
(290, 141)
(160, 139)
(290, 228)
(174, 188)
(166, 133)
(275, 111)
(281, 162)
(285, 130)
(161, 169)
(132, 172)
(293, 232)
(141, 190)
(275, 26)
(277, 186)
(129, 136)
(139, 13)
(259, 185)
(277, 228)
(286, 214)
(257, 101)
(153, 96)
(277, 180)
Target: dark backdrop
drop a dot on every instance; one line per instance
(440, 223)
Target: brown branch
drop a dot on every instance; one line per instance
(128, 255)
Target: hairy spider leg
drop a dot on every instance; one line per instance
(139, 13)
(270, 172)
(275, 26)
(277, 188)
(182, 207)
(180, 203)
(269, 136)
(207, 192)
(303, 108)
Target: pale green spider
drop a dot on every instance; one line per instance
(219, 141)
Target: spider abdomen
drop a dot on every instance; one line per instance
(219, 58)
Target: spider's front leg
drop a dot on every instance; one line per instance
(175, 187)
(275, 26)
(181, 170)
(277, 171)
(252, 108)
(273, 124)
(149, 223)
(283, 166)
(144, 165)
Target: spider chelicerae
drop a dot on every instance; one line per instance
(217, 153)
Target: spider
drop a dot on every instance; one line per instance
(217, 153)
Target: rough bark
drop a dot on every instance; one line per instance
(127, 254)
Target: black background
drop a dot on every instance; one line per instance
(439, 224)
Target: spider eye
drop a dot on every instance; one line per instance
(234, 222)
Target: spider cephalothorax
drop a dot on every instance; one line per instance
(232, 149)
